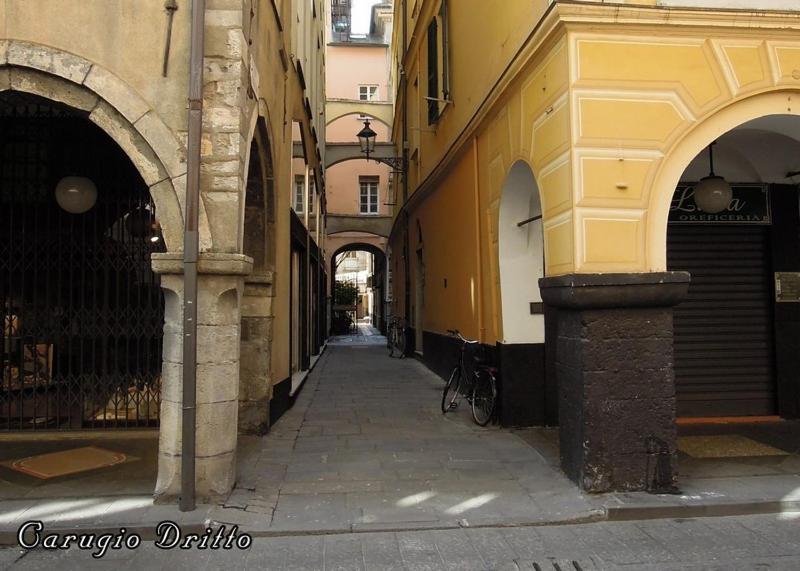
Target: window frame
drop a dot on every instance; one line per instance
(299, 193)
(438, 87)
(372, 91)
(372, 204)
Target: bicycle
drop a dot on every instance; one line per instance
(396, 337)
(480, 388)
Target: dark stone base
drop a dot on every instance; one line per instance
(522, 392)
(615, 375)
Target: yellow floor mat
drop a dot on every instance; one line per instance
(725, 446)
(55, 464)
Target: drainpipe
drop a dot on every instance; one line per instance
(407, 256)
(191, 246)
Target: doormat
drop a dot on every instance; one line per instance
(725, 446)
(55, 464)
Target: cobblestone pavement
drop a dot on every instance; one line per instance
(366, 447)
(729, 544)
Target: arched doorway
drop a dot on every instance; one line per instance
(524, 398)
(83, 314)
(256, 326)
(521, 258)
(358, 270)
(735, 336)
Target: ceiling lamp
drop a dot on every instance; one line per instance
(712, 194)
(76, 194)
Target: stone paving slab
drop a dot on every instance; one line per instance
(371, 450)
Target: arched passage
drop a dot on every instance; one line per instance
(736, 334)
(257, 317)
(83, 313)
(372, 292)
(526, 398)
(117, 109)
(684, 152)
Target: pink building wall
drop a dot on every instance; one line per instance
(347, 67)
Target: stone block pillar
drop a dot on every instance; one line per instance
(220, 286)
(614, 369)
(254, 376)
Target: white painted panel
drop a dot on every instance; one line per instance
(521, 257)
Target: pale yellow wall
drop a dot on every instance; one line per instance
(483, 39)
(637, 123)
(608, 116)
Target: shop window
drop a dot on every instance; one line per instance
(369, 195)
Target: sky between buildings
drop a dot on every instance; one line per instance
(360, 13)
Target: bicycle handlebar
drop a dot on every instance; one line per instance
(455, 333)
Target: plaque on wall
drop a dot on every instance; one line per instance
(787, 287)
(749, 205)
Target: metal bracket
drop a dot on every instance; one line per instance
(398, 164)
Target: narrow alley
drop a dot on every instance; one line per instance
(366, 447)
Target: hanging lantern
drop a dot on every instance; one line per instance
(76, 194)
(712, 194)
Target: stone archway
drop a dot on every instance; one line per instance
(118, 110)
(377, 248)
(258, 242)
(159, 157)
(735, 341)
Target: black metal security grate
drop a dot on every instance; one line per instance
(82, 313)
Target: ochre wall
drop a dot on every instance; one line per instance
(664, 98)
(608, 116)
(447, 222)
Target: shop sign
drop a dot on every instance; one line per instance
(749, 205)
(787, 287)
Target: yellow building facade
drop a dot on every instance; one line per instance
(546, 141)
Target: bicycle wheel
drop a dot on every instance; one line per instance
(450, 393)
(390, 341)
(484, 397)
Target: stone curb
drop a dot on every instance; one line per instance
(635, 513)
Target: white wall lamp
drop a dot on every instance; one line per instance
(712, 194)
(76, 194)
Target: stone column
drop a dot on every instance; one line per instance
(615, 376)
(254, 376)
(220, 285)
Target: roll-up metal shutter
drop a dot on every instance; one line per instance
(723, 331)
